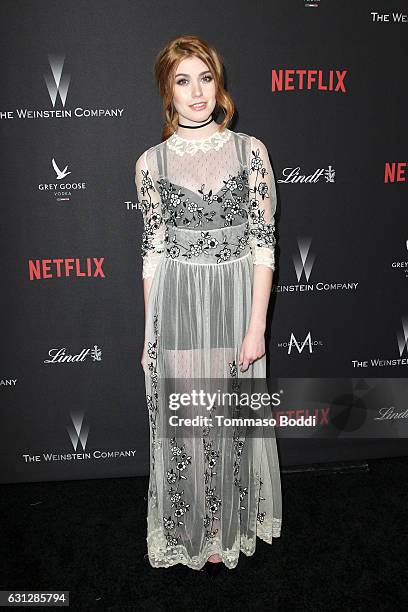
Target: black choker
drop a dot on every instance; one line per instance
(195, 127)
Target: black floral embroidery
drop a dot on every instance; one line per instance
(152, 400)
(182, 210)
(207, 244)
(174, 476)
(234, 373)
(177, 206)
(238, 443)
(152, 219)
(262, 231)
(238, 448)
(260, 515)
(212, 500)
(232, 203)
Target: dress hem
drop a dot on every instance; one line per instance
(229, 558)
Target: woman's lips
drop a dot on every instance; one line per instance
(198, 106)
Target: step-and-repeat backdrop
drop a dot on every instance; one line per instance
(323, 85)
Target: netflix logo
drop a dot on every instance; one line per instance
(395, 172)
(39, 269)
(298, 79)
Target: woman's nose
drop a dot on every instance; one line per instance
(197, 91)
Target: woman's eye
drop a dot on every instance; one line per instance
(207, 79)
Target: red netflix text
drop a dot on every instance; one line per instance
(297, 79)
(57, 268)
(394, 172)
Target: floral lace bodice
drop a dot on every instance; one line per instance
(221, 181)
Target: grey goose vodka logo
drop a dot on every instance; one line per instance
(402, 264)
(400, 360)
(304, 264)
(58, 85)
(61, 174)
(311, 3)
(61, 189)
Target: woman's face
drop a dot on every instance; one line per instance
(194, 91)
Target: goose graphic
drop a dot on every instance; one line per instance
(60, 173)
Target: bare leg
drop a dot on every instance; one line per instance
(215, 559)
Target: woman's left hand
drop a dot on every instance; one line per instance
(252, 348)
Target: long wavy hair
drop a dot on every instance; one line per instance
(165, 66)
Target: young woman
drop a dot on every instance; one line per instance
(208, 199)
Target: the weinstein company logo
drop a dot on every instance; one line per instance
(307, 344)
(62, 190)
(379, 362)
(389, 17)
(294, 175)
(8, 382)
(57, 81)
(59, 355)
(402, 264)
(303, 262)
(39, 269)
(402, 337)
(78, 431)
(297, 79)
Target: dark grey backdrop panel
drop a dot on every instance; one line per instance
(87, 418)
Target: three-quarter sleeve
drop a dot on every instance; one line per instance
(152, 247)
(262, 205)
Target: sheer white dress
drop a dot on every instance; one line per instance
(208, 210)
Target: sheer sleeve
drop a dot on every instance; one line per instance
(153, 234)
(262, 205)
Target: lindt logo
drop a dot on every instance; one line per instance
(298, 79)
(59, 355)
(57, 268)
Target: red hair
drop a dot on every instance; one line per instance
(165, 66)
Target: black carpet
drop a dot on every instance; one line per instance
(343, 547)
